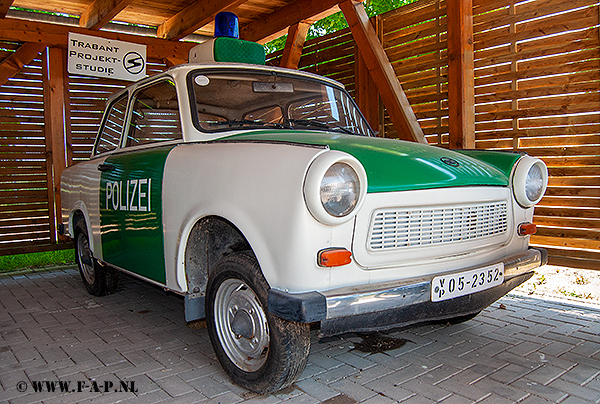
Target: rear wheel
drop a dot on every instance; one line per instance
(98, 280)
(259, 351)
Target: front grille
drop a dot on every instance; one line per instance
(406, 228)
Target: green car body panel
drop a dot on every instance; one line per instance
(394, 165)
(131, 212)
(502, 160)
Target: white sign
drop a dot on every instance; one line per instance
(100, 57)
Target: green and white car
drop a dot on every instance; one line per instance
(261, 195)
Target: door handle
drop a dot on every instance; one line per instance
(104, 167)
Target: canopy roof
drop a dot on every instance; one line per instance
(260, 20)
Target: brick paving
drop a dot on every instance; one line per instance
(521, 349)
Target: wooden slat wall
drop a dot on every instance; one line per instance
(331, 55)
(88, 96)
(24, 209)
(24, 218)
(537, 89)
(414, 38)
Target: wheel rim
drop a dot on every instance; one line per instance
(84, 256)
(241, 325)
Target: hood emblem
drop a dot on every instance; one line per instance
(449, 161)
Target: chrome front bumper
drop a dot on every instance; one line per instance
(395, 304)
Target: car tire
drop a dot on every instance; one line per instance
(98, 280)
(259, 351)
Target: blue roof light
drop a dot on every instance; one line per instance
(226, 24)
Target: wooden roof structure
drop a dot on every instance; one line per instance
(170, 29)
(260, 20)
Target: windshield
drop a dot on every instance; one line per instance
(259, 100)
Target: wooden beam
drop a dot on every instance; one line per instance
(12, 29)
(4, 6)
(403, 117)
(55, 90)
(299, 10)
(461, 82)
(173, 61)
(15, 62)
(194, 16)
(100, 12)
(294, 44)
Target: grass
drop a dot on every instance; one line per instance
(580, 280)
(573, 294)
(12, 263)
(542, 280)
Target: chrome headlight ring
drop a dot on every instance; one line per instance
(335, 187)
(530, 180)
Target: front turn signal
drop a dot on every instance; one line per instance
(526, 229)
(334, 257)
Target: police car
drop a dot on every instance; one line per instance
(263, 197)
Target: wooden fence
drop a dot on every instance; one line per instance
(25, 208)
(537, 90)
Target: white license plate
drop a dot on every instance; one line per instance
(450, 286)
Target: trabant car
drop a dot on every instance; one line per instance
(263, 197)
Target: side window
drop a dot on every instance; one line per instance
(113, 126)
(154, 115)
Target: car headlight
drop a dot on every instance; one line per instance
(335, 186)
(340, 188)
(530, 180)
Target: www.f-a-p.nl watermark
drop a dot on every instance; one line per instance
(77, 386)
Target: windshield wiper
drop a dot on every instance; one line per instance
(308, 122)
(242, 122)
(313, 122)
(344, 130)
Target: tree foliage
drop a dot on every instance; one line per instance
(336, 22)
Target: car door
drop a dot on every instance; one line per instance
(131, 218)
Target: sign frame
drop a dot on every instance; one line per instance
(107, 58)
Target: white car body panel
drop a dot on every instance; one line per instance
(79, 192)
(203, 194)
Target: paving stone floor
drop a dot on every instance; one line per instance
(521, 349)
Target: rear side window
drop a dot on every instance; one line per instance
(154, 115)
(113, 126)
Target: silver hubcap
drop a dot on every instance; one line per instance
(84, 256)
(241, 325)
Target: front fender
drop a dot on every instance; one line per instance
(258, 187)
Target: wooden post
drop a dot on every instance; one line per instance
(55, 87)
(461, 81)
(294, 44)
(380, 68)
(365, 89)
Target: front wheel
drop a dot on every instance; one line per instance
(258, 350)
